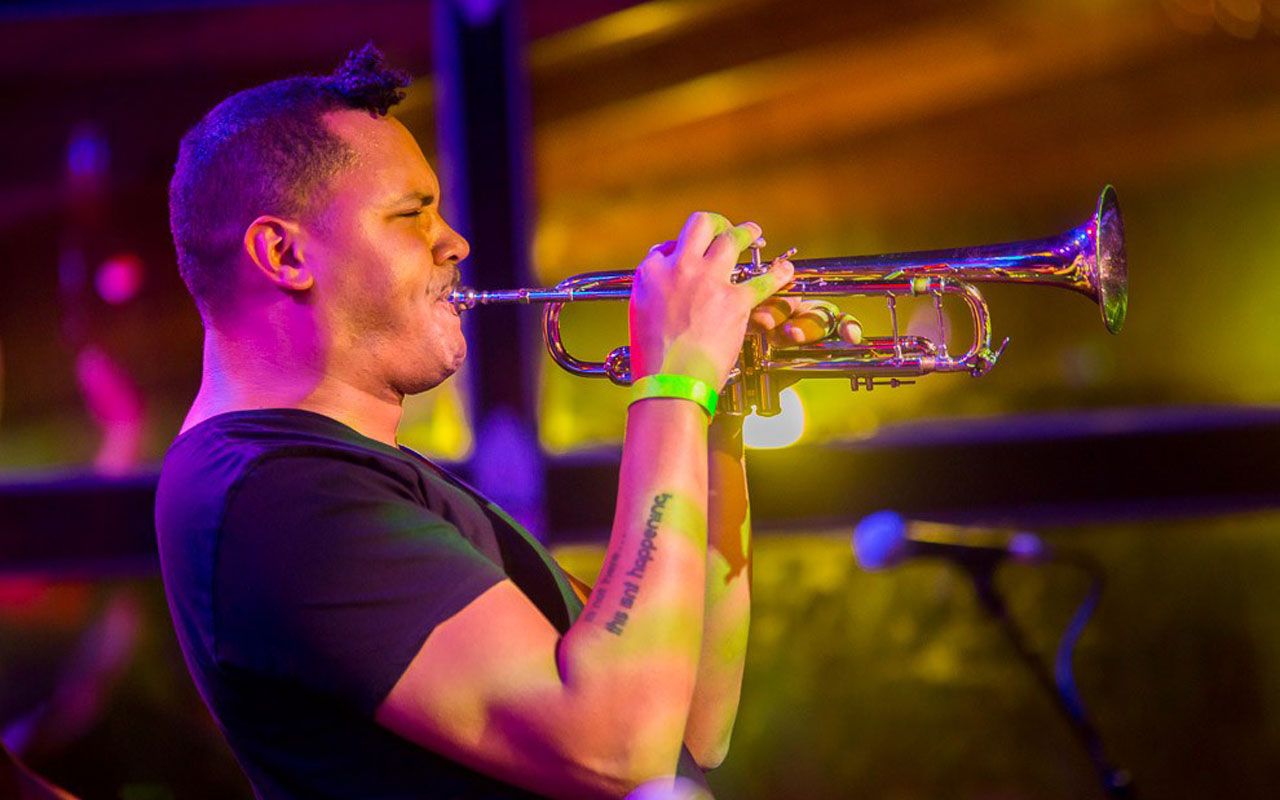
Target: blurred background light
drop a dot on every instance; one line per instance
(768, 433)
(88, 154)
(119, 278)
(436, 424)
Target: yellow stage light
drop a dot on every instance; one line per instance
(771, 433)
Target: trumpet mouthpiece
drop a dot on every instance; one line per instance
(463, 298)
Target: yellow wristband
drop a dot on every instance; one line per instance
(678, 386)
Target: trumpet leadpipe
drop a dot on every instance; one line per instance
(465, 298)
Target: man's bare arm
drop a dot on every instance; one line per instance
(603, 708)
(727, 617)
(786, 321)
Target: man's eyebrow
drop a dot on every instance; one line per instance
(422, 198)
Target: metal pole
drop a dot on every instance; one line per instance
(483, 127)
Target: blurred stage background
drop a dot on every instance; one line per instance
(842, 128)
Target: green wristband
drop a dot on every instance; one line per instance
(678, 386)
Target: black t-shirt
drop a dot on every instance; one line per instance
(305, 565)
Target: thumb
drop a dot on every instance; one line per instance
(762, 287)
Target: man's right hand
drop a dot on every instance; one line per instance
(687, 315)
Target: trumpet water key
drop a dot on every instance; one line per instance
(1088, 259)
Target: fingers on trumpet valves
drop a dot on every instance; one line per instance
(663, 248)
(730, 241)
(756, 267)
(774, 311)
(757, 247)
(849, 329)
(776, 277)
(813, 321)
(699, 231)
(810, 321)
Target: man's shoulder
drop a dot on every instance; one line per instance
(207, 463)
(226, 445)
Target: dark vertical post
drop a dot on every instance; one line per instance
(483, 124)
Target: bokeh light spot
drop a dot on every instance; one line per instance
(766, 433)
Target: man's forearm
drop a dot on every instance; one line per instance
(633, 654)
(728, 597)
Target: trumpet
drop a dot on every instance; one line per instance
(1088, 259)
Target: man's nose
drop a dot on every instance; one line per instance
(451, 247)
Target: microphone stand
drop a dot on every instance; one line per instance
(1116, 782)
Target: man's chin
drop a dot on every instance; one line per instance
(426, 382)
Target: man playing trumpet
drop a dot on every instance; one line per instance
(362, 624)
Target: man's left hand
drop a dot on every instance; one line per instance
(792, 321)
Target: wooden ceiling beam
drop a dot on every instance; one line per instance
(830, 166)
(844, 89)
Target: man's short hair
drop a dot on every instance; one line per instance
(265, 150)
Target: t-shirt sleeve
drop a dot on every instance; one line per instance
(331, 574)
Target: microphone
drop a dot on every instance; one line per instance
(884, 539)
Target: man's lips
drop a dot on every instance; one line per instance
(443, 297)
(455, 280)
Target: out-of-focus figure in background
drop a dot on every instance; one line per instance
(90, 630)
(88, 297)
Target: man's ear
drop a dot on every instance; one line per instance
(274, 246)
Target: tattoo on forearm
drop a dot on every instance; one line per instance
(601, 588)
(631, 586)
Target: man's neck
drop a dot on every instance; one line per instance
(242, 373)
